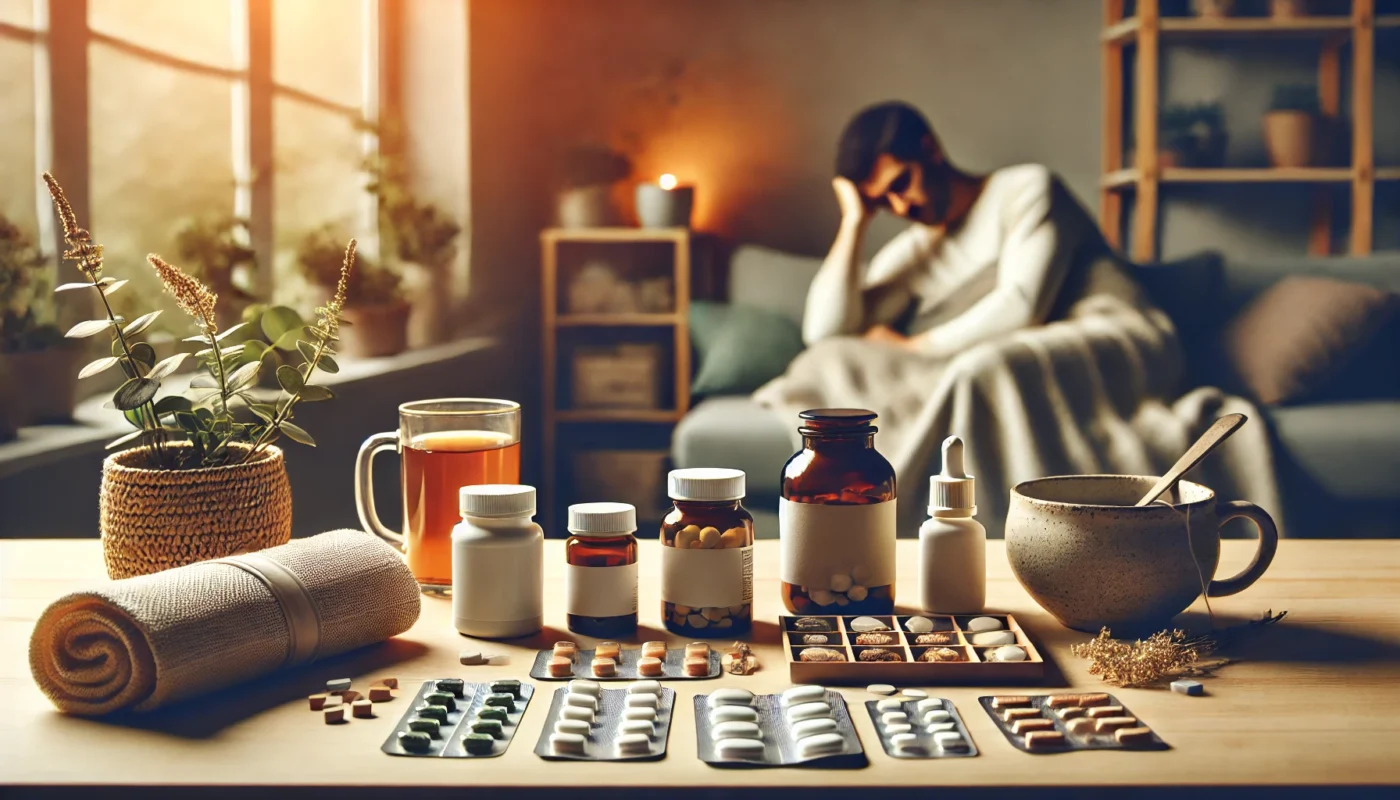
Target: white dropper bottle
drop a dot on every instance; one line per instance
(952, 545)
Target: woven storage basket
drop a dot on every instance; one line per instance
(156, 519)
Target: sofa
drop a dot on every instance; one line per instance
(1338, 460)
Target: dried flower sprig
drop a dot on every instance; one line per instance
(1163, 655)
(81, 248)
(192, 296)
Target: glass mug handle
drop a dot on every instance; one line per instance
(364, 485)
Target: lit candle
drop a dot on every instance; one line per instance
(667, 181)
(664, 204)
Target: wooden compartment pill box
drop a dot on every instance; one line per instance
(975, 665)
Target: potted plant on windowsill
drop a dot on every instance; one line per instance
(201, 476)
(215, 251)
(1291, 126)
(375, 311)
(37, 382)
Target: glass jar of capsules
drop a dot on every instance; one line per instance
(707, 554)
(836, 518)
(600, 580)
(497, 563)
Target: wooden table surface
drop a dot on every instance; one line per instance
(1314, 700)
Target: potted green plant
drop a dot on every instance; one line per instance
(1192, 135)
(215, 251)
(375, 311)
(201, 476)
(37, 382)
(1291, 126)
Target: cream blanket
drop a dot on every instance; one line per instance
(1095, 392)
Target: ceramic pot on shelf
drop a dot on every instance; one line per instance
(1290, 138)
(1288, 9)
(43, 384)
(1213, 9)
(375, 330)
(587, 207)
(157, 519)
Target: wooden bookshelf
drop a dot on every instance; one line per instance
(1145, 32)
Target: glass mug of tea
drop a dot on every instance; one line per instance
(444, 445)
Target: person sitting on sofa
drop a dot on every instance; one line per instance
(983, 255)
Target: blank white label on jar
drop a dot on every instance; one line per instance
(707, 578)
(819, 541)
(600, 591)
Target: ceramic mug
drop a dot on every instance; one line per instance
(1092, 559)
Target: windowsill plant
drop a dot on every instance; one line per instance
(375, 310)
(200, 476)
(215, 252)
(37, 382)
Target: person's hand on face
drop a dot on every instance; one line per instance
(884, 334)
(854, 207)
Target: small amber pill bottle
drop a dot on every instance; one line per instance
(707, 555)
(836, 518)
(600, 581)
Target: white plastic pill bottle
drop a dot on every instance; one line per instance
(497, 563)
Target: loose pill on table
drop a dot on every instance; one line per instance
(443, 699)
(478, 743)
(880, 688)
(731, 697)
(889, 704)
(432, 712)
(978, 624)
(587, 701)
(1013, 714)
(334, 714)
(585, 687)
(364, 709)
(934, 715)
(939, 727)
(348, 696)
(696, 667)
(822, 744)
(1021, 726)
(649, 667)
(1070, 712)
(469, 658)
(380, 694)
(567, 743)
(425, 725)
(720, 714)
(577, 712)
(890, 730)
(391, 682)
(604, 668)
(644, 687)
(493, 712)
(739, 748)
(1036, 740)
(501, 699)
(654, 650)
(337, 684)
(808, 711)
(320, 701)
(637, 726)
(639, 713)
(1105, 711)
(890, 717)
(803, 694)
(490, 727)
(453, 686)
(1188, 687)
(812, 727)
(415, 741)
(643, 701)
(1133, 736)
(1009, 701)
(993, 637)
(560, 667)
(736, 730)
(1107, 724)
(904, 741)
(634, 743)
(572, 726)
(510, 687)
(1081, 726)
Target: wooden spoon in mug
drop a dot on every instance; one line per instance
(1218, 432)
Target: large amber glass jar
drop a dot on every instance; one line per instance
(707, 555)
(600, 580)
(837, 518)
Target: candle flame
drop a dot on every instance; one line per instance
(668, 181)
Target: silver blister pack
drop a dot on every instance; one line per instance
(722, 736)
(1061, 714)
(605, 731)
(672, 667)
(917, 733)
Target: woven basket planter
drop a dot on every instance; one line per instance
(157, 519)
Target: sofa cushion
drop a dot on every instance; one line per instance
(1301, 333)
(738, 433)
(741, 347)
(771, 279)
(1191, 291)
(1351, 450)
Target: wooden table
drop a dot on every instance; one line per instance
(1315, 700)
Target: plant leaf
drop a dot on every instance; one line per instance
(204, 381)
(296, 434)
(312, 393)
(278, 320)
(100, 365)
(144, 353)
(91, 327)
(252, 351)
(133, 417)
(288, 340)
(109, 286)
(68, 287)
(308, 350)
(141, 323)
(243, 376)
(125, 440)
(173, 404)
(328, 365)
(135, 393)
(201, 338)
(231, 331)
(264, 411)
(167, 366)
(187, 421)
(289, 379)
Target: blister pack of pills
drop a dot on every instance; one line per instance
(1061, 723)
(921, 727)
(805, 725)
(450, 718)
(609, 661)
(589, 723)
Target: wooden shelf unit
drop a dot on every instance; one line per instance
(553, 322)
(1144, 177)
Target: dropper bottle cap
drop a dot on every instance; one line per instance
(951, 493)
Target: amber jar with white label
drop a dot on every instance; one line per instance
(600, 580)
(836, 518)
(707, 554)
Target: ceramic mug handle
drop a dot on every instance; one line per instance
(364, 485)
(1268, 545)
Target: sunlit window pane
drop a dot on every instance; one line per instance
(193, 30)
(17, 130)
(17, 12)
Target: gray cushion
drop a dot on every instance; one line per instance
(735, 432)
(771, 279)
(740, 347)
(1245, 278)
(1352, 450)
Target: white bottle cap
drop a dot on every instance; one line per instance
(706, 484)
(952, 492)
(497, 500)
(602, 519)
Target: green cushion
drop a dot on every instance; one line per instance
(740, 347)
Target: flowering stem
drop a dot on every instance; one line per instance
(148, 410)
